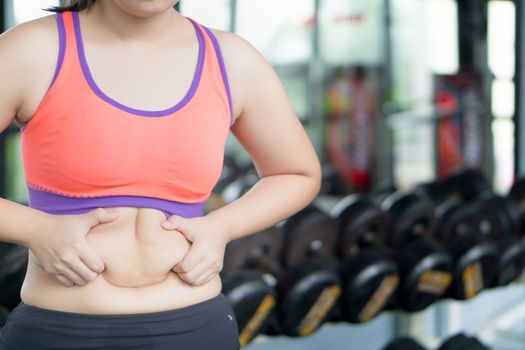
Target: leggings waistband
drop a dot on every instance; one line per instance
(158, 316)
(206, 325)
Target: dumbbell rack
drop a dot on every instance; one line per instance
(493, 317)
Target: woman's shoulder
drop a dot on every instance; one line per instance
(245, 66)
(238, 51)
(30, 45)
(28, 55)
(30, 35)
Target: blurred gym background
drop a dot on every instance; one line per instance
(393, 93)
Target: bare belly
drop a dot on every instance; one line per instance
(139, 255)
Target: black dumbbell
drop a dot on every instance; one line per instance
(309, 265)
(306, 289)
(250, 290)
(404, 343)
(4, 314)
(497, 218)
(369, 276)
(462, 342)
(517, 195)
(425, 266)
(13, 267)
(475, 257)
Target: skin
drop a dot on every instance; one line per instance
(73, 257)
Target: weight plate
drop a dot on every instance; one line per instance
(511, 262)
(307, 234)
(454, 220)
(517, 195)
(467, 183)
(404, 343)
(411, 216)
(493, 219)
(253, 301)
(361, 223)
(307, 294)
(370, 280)
(462, 342)
(4, 314)
(426, 274)
(13, 266)
(243, 251)
(476, 266)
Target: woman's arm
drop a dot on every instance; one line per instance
(17, 222)
(280, 149)
(28, 54)
(274, 137)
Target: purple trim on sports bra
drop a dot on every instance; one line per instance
(61, 45)
(56, 204)
(160, 113)
(61, 54)
(223, 69)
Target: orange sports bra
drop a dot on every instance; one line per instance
(83, 150)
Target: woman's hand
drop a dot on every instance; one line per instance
(205, 258)
(63, 250)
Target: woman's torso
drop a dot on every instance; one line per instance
(137, 252)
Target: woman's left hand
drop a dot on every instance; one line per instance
(205, 258)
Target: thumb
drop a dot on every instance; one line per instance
(100, 216)
(172, 223)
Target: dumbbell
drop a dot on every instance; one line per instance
(425, 266)
(13, 266)
(307, 255)
(369, 276)
(250, 290)
(404, 343)
(517, 195)
(475, 258)
(4, 314)
(462, 342)
(497, 218)
(306, 289)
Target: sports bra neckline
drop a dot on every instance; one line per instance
(157, 113)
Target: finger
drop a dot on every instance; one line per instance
(193, 258)
(196, 273)
(72, 276)
(64, 281)
(83, 271)
(171, 223)
(91, 259)
(100, 216)
(206, 277)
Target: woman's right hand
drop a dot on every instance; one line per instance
(64, 251)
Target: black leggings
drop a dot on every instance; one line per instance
(206, 325)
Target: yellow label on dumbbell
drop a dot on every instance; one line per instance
(257, 320)
(319, 310)
(379, 298)
(434, 282)
(473, 280)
